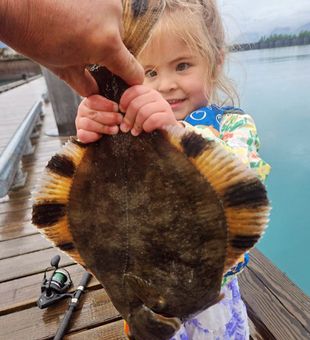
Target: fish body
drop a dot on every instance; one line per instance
(154, 218)
(145, 221)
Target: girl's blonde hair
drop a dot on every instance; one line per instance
(199, 25)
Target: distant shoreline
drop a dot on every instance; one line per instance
(274, 41)
(260, 46)
(16, 68)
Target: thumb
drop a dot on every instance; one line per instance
(79, 78)
(122, 63)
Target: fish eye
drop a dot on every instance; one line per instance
(182, 66)
(150, 73)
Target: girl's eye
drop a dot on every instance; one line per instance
(183, 66)
(150, 73)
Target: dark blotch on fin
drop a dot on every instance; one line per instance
(61, 165)
(244, 242)
(246, 195)
(139, 8)
(44, 215)
(66, 246)
(193, 144)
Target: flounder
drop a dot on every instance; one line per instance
(158, 219)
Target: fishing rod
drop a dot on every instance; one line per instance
(72, 305)
(56, 288)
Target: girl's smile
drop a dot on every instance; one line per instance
(176, 103)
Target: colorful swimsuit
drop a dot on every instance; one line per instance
(236, 131)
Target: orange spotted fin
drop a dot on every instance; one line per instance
(243, 195)
(50, 201)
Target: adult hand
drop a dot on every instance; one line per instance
(66, 36)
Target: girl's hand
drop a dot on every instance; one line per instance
(97, 116)
(146, 110)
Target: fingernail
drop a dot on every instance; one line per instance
(119, 119)
(135, 132)
(114, 130)
(115, 107)
(121, 108)
(124, 127)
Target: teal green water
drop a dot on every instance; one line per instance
(274, 86)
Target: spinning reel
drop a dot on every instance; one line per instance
(55, 288)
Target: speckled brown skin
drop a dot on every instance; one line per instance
(139, 208)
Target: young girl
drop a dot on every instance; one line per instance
(183, 63)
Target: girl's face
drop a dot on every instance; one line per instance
(177, 72)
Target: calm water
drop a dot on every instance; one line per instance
(274, 86)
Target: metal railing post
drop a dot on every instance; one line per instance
(11, 174)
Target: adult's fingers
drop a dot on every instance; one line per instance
(122, 63)
(78, 78)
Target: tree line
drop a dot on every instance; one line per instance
(275, 40)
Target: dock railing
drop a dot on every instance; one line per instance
(11, 173)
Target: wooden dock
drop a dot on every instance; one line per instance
(277, 308)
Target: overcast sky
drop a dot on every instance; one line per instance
(242, 16)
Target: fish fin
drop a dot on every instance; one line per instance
(146, 324)
(145, 292)
(49, 212)
(243, 195)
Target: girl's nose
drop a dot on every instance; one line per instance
(166, 83)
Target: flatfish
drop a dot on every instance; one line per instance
(158, 219)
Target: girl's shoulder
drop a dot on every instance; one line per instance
(212, 115)
(231, 110)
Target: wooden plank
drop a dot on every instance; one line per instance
(23, 245)
(15, 230)
(94, 309)
(13, 206)
(255, 333)
(270, 317)
(28, 264)
(19, 216)
(113, 330)
(23, 292)
(293, 298)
